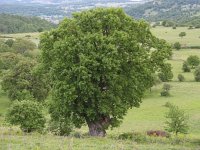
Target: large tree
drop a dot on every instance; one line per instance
(101, 62)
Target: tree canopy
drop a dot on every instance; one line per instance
(101, 62)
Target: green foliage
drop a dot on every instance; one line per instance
(168, 104)
(22, 82)
(182, 34)
(168, 24)
(57, 125)
(134, 136)
(166, 73)
(40, 29)
(186, 67)
(156, 80)
(174, 27)
(4, 47)
(177, 120)
(21, 46)
(177, 46)
(193, 61)
(20, 24)
(101, 64)
(9, 60)
(197, 74)
(181, 78)
(165, 90)
(9, 42)
(27, 114)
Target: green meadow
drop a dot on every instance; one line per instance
(150, 115)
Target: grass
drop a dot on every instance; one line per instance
(34, 37)
(192, 37)
(150, 116)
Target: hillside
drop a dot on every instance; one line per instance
(180, 11)
(20, 24)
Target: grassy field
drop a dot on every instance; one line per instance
(150, 116)
(34, 37)
(192, 37)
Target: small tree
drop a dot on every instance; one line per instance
(23, 81)
(177, 46)
(27, 114)
(182, 34)
(197, 74)
(166, 73)
(193, 61)
(177, 120)
(181, 78)
(166, 89)
(186, 67)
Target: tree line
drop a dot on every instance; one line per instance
(21, 24)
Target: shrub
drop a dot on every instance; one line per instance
(174, 27)
(182, 34)
(190, 27)
(186, 67)
(197, 74)
(59, 126)
(166, 73)
(193, 61)
(177, 46)
(181, 78)
(177, 121)
(166, 87)
(28, 115)
(168, 104)
(40, 30)
(137, 137)
(165, 91)
(9, 42)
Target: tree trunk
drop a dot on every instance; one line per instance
(96, 129)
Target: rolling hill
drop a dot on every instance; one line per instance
(180, 11)
(20, 24)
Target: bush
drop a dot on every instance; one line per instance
(174, 27)
(168, 104)
(182, 34)
(137, 137)
(193, 61)
(166, 87)
(177, 121)
(165, 91)
(28, 115)
(186, 67)
(197, 74)
(166, 73)
(58, 125)
(177, 46)
(181, 78)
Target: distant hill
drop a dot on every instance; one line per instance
(180, 11)
(20, 24)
